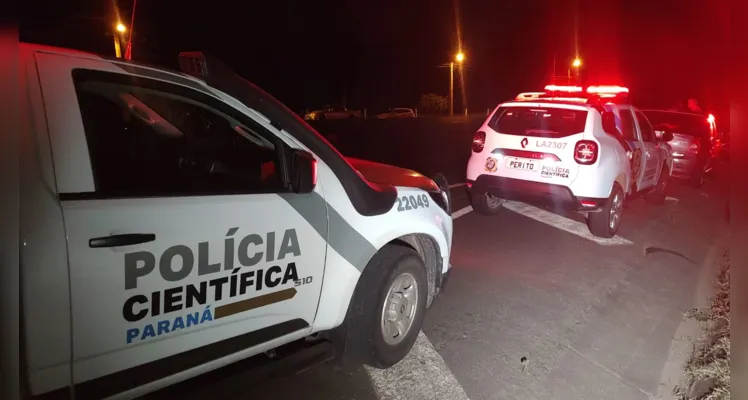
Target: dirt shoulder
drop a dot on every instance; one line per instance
(688, 343)
(707, 373)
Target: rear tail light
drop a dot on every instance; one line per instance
(479, 141)
(585, 152)
(694, 148)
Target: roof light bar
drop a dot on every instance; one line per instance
(560, 88)
(607, 89)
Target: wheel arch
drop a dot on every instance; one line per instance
(428, 248)
(622, 180)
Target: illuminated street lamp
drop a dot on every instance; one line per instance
(460, 57)
(119, 37)
(576, 63)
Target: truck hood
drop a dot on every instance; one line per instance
(387, 174)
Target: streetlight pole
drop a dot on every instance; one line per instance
(119, 33)
(451, 88)
(459, 57)
(576, 64)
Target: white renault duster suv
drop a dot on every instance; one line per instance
(173, 223)
(582, 151)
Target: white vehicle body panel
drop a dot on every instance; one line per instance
(584, 181)
(83, 291)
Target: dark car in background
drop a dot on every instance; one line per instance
(694, 139)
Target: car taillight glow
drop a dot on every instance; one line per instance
(710, 118)
(585, 152)
(314, 172)
(479, 141)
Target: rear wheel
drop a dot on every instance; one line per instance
(657, 196)
(605, 222)
(486, 203)
(387, 309)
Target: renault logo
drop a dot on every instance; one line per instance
(523, 143)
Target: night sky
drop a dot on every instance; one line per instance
(386, 53)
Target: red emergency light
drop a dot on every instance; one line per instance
(607, 89)
(710, 118)
(561, 88)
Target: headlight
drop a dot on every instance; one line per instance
(444, 197)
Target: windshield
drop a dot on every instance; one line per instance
(539, 121)
(683, 123)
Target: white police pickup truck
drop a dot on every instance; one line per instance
(173, 223)
(582, 151)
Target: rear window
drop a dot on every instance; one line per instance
(686, 124)
(546, 122)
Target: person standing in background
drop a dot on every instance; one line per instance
(693, 106)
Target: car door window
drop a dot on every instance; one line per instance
(627, 125)
(150, 140)
(645, 127)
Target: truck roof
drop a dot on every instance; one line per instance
(30, 48)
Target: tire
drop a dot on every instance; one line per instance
(482, 204)
(657, 196)
(600, 222)
(365, 339)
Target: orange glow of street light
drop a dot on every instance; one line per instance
(460, 57)
(576, 63)
(121, 28)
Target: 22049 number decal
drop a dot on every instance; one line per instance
(407, 203)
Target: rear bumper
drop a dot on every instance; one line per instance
(683, 167)
(534, 192)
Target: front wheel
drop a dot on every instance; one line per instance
(387, 309)
(605, 222)
(657, 196)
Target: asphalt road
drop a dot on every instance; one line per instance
(592, 319)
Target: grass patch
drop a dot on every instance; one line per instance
(707, 373)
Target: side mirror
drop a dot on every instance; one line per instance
(303, 172)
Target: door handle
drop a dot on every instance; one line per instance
(126, 239)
